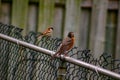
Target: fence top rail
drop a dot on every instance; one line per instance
(68, 59)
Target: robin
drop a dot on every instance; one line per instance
(47, 32)
(66, 45)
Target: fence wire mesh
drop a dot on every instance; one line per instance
(21, 63)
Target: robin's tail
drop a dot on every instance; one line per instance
(40, 36)
(54, 55)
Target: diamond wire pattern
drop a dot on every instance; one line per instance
(21, 63)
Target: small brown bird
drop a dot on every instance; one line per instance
(66, 45)
(47, 32)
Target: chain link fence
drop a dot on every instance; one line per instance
(20, 63)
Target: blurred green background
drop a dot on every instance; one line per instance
(96, 23)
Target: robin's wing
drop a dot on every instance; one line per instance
(65, 44)
(45, 32)
(66, 41)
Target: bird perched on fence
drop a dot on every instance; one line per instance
(47, 32)
(65, 46)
